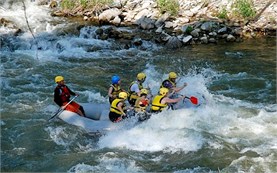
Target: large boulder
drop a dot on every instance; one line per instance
(173, 43)
(110, 14)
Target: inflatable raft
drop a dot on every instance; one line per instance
(96, 120)
(97, 116)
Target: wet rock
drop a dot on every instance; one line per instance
(159, 30)
(230, 38)
(173, 43)
(146, 23)
(195, 33)
(207, 26)
(222, 30)
(137, 42)
(204, 40)
(213, 34)
(99, 31)
(187, 39)
(212, 40)
(164, 36)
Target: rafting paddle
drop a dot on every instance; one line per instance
(60, 110)
(193, 100)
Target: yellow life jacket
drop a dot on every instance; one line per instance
(116, 90)
(141, 104)
(114, 104)
(132, 94)
(156, 103)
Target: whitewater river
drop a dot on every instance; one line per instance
(234, 129)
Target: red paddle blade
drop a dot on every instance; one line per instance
(194, 100)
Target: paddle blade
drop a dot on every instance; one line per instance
(194, 100)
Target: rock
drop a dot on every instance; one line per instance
(204, 40)
(53, 4)
(146, 23)
(214, 34)
(109, 14)
(159, 30)
(222, 30)
(164, 36)
(137, 42)
(169, 25)
(195, 33)
(188, 13)
(207, 26)
(85, 18)
(142, 14)
(162, 19)
(230, 38)
(173, 42)
(99, 31)
(187, 39)
(116, 21)
(184, 28)
(212, 40)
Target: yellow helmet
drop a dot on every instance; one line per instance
(163, 91)
(172, 75)
(144, 91)
(141, 76)
(123, 95)
(58, 78)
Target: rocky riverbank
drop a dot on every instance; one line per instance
(196, 22)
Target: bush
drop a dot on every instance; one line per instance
(86, 4)
(245, 8)
(171, 6)
(222, 14)
(68, 4)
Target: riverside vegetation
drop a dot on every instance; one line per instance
(174, 23)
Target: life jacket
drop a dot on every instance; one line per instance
(132, 94)
(141, 104)
(156, 103)
(64, 93)
(168, 80)
(114, 104)
(116, 90)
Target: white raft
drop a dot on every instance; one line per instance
(97, 121)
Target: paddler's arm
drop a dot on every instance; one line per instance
(119, 106)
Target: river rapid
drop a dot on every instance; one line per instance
(233, 130)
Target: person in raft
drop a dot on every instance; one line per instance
(170, 83)
(161, 101)
(115, 88)
(141, 105)
(118, 108)
(62, 96)
(135, 88)
(142, 102)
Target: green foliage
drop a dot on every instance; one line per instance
(171, 6)
(189, 29)
(222, 14)
(245, 8)
(84, 3)
(95, 4)
(98, 3)
(68, 4)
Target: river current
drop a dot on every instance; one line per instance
(234, 129)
